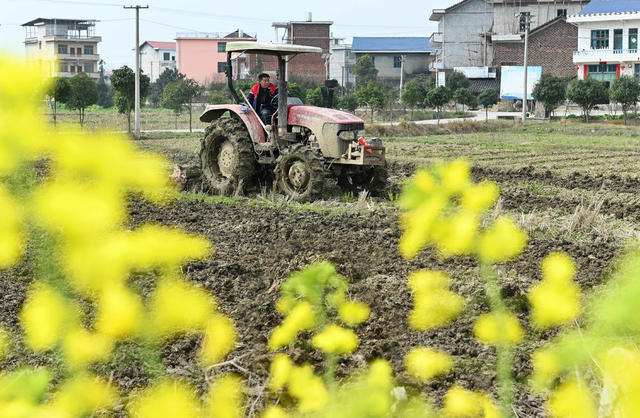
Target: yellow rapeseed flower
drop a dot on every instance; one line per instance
(558, 266)
(4, 343)
(477, 198)
(545, 368)
(279, 372)
(274, 412)
(308, 389)
(11, 233)
(424, 181)
(503, 241)
(494, 329)
(82, 348)
(353, 313)
(44, 316)
(427, 280)
(84, 395)
(166, 399)
(120, 312)
(219, 339)
(456, 175)
(456, 235)
(424, 363)
(554, 302)
(433, 304)
(337, 297)
(177, 306)
(380, 374)
(489, 407)
(621, 379)
(418, 224)
(225, 398)
(572, 399)
(300, 318)
(460, 402)
(334, 339)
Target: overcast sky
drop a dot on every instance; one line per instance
(164, 18)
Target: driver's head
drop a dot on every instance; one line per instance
(264, 80)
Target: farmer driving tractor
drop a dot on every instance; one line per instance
(262, 96)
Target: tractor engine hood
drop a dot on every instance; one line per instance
(314, 116)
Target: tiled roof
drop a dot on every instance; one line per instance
(610, 6)
(161, 45)
(391, 44)
(478, 85)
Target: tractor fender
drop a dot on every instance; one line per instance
(247, 117)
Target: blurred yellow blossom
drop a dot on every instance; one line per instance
(558, 266)
(380, 374)
(621, 379)
(219, 339)
(120, 312)
(554, 302)
(84, 395)
(424, 363)
(494, 329)
(82, 348)
(4, 343)
(279, 372)
(427, 280)
(489, 407)
(353, 313)
(545, 368)
(337, 298)
(460, 402)
(44, 317)
(572, 399)
(417, 225)
(300, 318)
(334, 339)
(166, 399)
(11, 234)
(456, 235)
(225, 398)
(456, 175)
(177, 306)
(434, 304)
(503, 241)
(274, 412)
(477, 198)
(424, 181)
(307, 388)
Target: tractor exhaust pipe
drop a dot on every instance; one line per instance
(283, 111)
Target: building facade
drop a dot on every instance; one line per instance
(607, 40)
(156, 57)
(396, 58)
(341, 65)
(551, 46)
(203, 56)
(65, 47)
(506, 20)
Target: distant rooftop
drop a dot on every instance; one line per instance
(599, 7)
(160, 44)
(78, 22)
(391, 44)
(237, 34)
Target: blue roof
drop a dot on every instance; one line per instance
(610, 6)
(391, 44)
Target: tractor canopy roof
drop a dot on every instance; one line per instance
(269, 48)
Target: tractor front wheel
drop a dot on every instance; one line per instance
(300, 174)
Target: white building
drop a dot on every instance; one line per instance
(65, 46)
(607, 40)
(155, 57)
(341, 65)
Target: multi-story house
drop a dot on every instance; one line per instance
(156, 57)
(509, 15)
(341, 64)
(203, 57)
(396, 58)
(65, 46)
(607, 40)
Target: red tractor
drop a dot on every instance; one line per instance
(301, 147)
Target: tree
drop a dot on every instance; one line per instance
(464, 97)
(625, 91)
(84, 93)
(169, 75)
(372, 96)
(123, 82)
(365, 71)
(587, 94)
(550, 91)
(488, 97)
(314, 97)
(180, 94)
(456, 80)
(413, 94)
(349, 102)
(437, 97)
(105, 92)
(296, 91)
(60, 92)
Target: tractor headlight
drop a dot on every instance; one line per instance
(347, 135)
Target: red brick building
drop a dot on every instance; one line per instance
(550, 45)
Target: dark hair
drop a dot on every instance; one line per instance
(263, 75)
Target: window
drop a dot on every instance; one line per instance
(525, 19)
(62, 49)
(64, 67)
(562, 12)
(617, 39)
(603, 72)
(173, 58)
(637, 70)
(88, 68)
(633, 38)
(88, 49)
(397, 61)
(600, 39)
(78, 51)
(166, 56)
(222, 66)
(222, 46)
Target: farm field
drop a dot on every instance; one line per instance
(572, 188)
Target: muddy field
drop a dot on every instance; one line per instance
(570, 194)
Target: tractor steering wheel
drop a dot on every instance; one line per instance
(274, 102)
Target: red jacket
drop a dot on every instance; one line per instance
(253, 94)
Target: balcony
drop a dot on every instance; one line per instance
(63, 37)
(436, 38)
(76, 57)
(67, 74)
(590, 56)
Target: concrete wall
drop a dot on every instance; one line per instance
(198, 58)
(152, 61)
(341, 65)
(505, 21)
(309, 66)
(415, 63)
(585, 28)
(461, 28)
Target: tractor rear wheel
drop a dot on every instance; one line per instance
(371, 178)
(226, 156)
(300, 174)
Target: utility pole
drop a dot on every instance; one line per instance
(137, 84)
(526, 17)
(402, 57)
